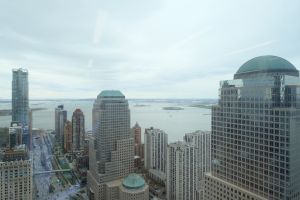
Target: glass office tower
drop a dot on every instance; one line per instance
(20, 102)
(255, 133)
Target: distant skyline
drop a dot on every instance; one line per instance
(146, 49)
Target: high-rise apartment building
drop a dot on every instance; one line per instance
(182, 171)
(20, 102)
(202, 142)
(111, 151)
(255, 133)
(56, 120)
(78, 130)
(138, 147)
(68, 137)
(156, 142)
(60, 120)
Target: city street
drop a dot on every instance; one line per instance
(43, 181)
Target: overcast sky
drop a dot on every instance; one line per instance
(145, 48)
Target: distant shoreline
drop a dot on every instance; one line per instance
(7, 112)
(173, 108)
(130, 99)
(205, 106)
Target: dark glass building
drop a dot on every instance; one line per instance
(255, 133)
(20, 102)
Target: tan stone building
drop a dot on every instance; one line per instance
(111, 150)
(16, 180)
(132, 187)
(68, 137)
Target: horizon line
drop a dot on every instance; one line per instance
(53, 99)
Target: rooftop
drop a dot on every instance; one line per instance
(266, 64)
(20, 70)
(133, 181)
(111, 93)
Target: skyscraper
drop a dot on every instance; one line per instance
(78, 130)
(136, 131)
(60, 120)
(112, 150)
(56, 120)
(181, 171)
(202, 142)
(255, 133)
(20, 102)
(156, 142)
(68, 137)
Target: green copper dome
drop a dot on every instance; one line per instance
(266, 64)
(133, 181)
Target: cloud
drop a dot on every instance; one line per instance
(100, 25)
(158, 48)
(254, 47)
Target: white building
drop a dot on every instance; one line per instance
(182, 171)
(202, 142)
(60, 120)
(155, 150)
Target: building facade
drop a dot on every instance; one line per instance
(16, 180)
(155, 149)
(255, 133)
(20, 96)
(20, 102)
(60, 120)
(181, 171)
(202, 142)
(68, 137)
(16, 174)
(111, 152)
(15, 134)
(19, 152)
(56, 120)
(78, 130)
(138, 147)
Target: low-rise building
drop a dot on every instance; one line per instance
(132, 187)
